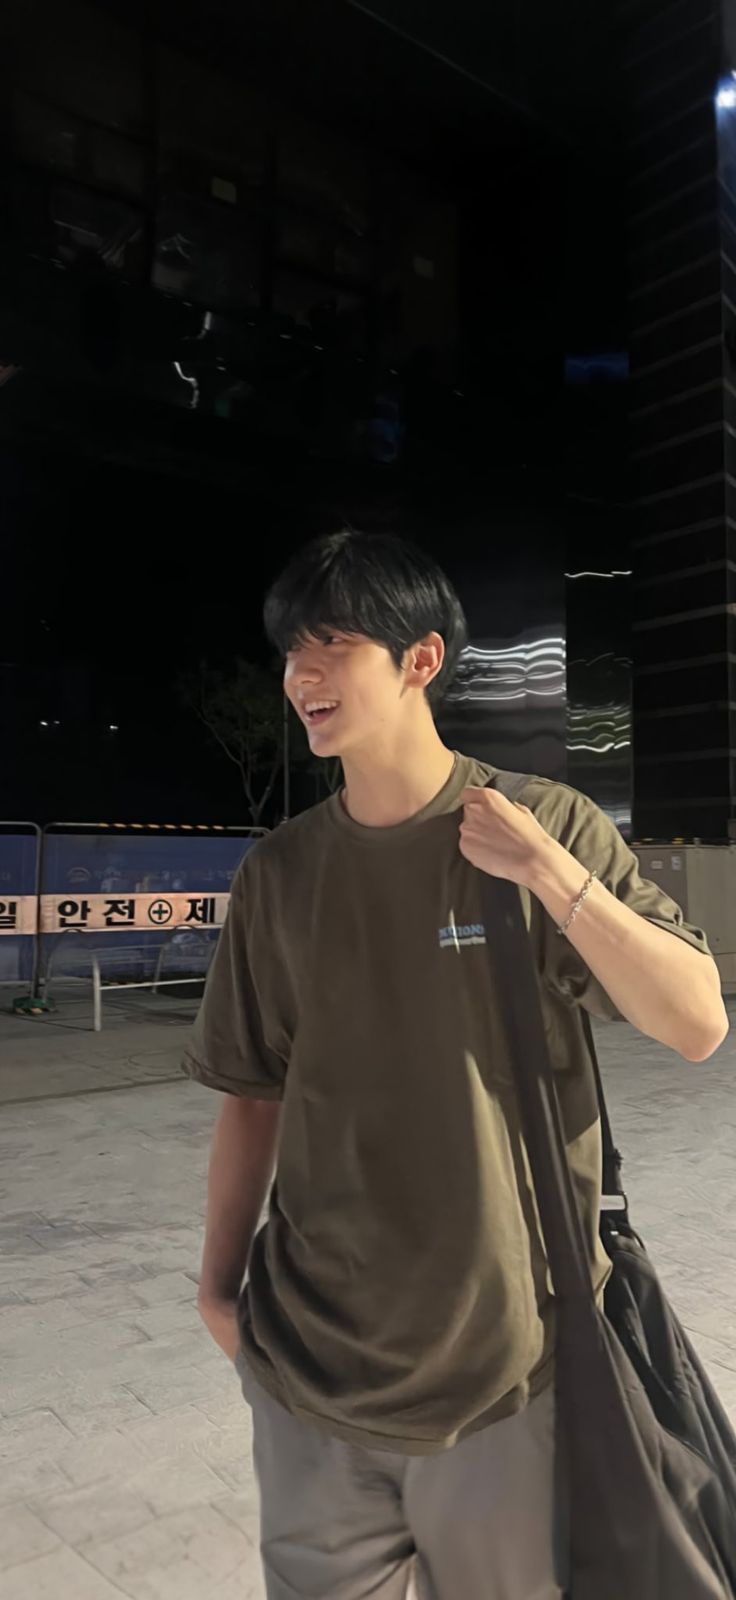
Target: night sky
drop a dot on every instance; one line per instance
(139, 535)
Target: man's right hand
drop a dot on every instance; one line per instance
(242, 1163)
(220, 1318)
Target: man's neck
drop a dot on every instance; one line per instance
(387, 789)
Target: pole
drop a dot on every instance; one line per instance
(36, 978)
(96, 995)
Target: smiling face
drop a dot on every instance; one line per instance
(351, 696)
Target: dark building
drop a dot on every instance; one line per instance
(270, 267)
(680, 120)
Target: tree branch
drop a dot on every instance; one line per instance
(241, 711)
(211, 728)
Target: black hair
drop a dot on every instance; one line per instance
(372, 584)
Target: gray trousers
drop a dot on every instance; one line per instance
(479, 1522)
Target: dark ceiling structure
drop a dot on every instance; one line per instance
(450, 83)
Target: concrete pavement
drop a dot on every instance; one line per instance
(124, 1444)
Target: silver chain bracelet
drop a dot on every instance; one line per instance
(579, 903)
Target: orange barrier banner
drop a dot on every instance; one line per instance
(18, 914)
(103, 913)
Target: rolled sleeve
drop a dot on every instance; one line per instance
(228, 1049)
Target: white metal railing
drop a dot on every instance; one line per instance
(99, 985)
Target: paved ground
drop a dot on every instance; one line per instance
(58, 1054)
(124, 1450)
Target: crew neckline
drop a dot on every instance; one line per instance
(444, 802)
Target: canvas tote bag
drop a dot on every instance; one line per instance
(648, 1452)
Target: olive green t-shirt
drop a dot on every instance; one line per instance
(398, 1295)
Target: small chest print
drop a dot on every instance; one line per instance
(457, 935)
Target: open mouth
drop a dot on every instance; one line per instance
(318, 712)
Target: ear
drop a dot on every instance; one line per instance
(424, 661)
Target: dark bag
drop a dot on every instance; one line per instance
(649, 1454)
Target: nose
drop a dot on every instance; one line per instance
(303, 668)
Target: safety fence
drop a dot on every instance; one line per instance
(20, 865)
(115, 905)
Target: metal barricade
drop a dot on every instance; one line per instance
(20, 870)
(134, 897)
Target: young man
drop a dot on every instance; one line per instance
(395, 1338)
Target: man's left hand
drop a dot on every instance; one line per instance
(668, 990)
(502, 839)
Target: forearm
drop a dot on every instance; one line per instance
(242, 1161)
(658, 982)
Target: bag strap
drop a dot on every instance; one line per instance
(512, 785)
(614, 1193)
(516, 984)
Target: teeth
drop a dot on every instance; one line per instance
(320, 705)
